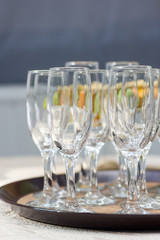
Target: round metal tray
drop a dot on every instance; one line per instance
(13, 192)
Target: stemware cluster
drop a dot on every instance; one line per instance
(81, 107)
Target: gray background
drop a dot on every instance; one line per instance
(38, 34)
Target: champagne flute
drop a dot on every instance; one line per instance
(146, 201)
(156, 189)
(131, 121)
(70, 119)
(97, 138)
(37, 123)
(83, 182)
(118, 188)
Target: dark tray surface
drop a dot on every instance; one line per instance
(12, 192)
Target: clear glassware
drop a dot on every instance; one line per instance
(37, 123)
(146, 201)
(156, 189)
(70, 114)
(83, 182)
(131, 121)
(118, 188)
(97, 138)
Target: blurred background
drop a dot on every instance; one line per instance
(38, 34)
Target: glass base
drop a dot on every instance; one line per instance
(39, 195)
(109, 185)
(94, 199)
(49, 201)
(37, 204)
(133, 209)
(44, 202)
(149, 203)
(69, 206)
(114, 189)
(119, 192)
(157, 198)
(60, 193)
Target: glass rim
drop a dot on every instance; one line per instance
(54, 69)
(98, 70)
(117, 62)
(82, 62)
(38, 71)
(155, 69)
(131, 67)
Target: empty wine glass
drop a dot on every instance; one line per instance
(70, 115)
(83, 181)
(145, 200)
(37, 123)
(157, 93)
(118, 188)
(97, 138)
(131, 121)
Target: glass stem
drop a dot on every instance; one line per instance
(47, 163)
(83, 173)
(122, 178)
(93, 157)
(85, 167)
(81, 178)
(84, 176)
(69, 163)
(53, 173)
(142, 176)
(133, 193)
